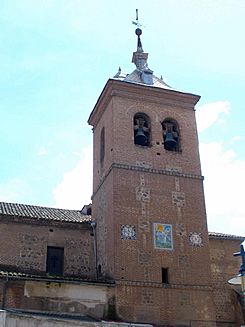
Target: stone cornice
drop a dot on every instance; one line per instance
(147, 170)
(140, 92)
(166, 286)
(168, 99)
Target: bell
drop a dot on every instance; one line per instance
(169, 142)
(140, 137)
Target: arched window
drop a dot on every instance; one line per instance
(171, 136)
(141, 129)
(102, 145)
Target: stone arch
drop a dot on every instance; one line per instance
(141, 125)
(171, 135)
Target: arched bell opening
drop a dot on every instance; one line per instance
(141, 129)
(171, 135)
(102, 146)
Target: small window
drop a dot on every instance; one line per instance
(171, 139)
(102, 145)
(141, 129)
(99, 270)
(89, 211)
(165, 276)
(55, 260)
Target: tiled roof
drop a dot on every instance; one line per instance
(44, 213)
(134, 77)
(47, 277)
(226, 236)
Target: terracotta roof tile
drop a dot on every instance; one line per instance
(226, 236)
(45, 213)
(47, 277)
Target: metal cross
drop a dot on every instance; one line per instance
(136, 20)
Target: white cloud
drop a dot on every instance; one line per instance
(211, 113)
(224, 184)
(42, 151)
(236, 138)
(75, 189)
(224, 174)
(13, 190)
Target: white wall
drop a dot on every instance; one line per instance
(8, 319)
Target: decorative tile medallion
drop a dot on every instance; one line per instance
(163, 238)
(128, 232)
(195, 239)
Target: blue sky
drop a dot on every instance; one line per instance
(55, 59)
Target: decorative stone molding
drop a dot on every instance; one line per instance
(144, 164)
(145, 257)
(178, 199)
(147, 170)
(174, 169)
(142, 194)
(146, 297)
(161, 285)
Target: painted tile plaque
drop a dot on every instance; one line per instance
(128, 232)
(163, 238)
(195, 239)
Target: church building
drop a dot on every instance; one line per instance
(141, 252)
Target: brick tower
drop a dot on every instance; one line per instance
(148, 200)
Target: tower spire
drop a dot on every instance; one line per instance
(142, 74)
(138, 32)
(140, 57)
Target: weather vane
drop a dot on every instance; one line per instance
(136, 22)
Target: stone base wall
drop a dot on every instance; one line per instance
(61, 298)
(11, 319)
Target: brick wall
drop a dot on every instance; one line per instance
(172, 306)
(223, 267)
(24, 247)
(138, 187)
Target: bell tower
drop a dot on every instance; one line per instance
(148, 200)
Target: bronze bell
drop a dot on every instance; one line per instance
(169, 141)
(140, 137)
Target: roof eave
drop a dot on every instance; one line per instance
(226, 236)
(109, 90)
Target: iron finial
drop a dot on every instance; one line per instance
(138, 32)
